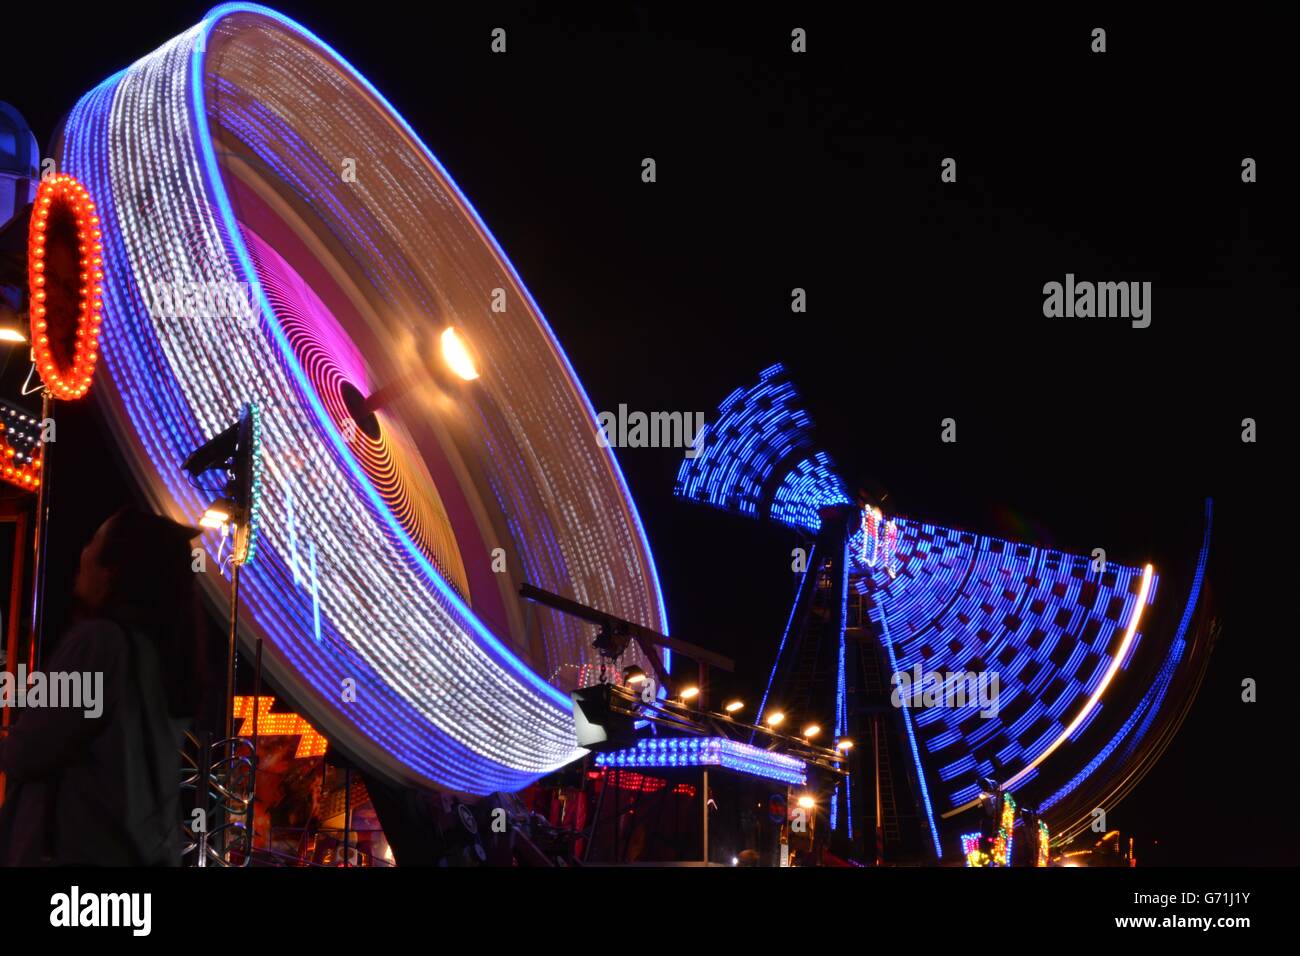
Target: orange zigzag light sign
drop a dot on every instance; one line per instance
(311, 744)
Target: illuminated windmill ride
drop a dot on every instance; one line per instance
(882, 595)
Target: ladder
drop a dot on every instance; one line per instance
(809, 669)
(875, 704)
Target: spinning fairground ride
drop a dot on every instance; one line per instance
(990, 697)
(276, 247)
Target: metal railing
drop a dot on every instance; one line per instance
(220, 777)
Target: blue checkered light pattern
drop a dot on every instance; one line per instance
(1046, 622)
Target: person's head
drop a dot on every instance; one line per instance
(134, 560)
(137, 570)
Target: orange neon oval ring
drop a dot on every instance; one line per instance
(65, 283)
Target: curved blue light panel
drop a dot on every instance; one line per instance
(685, 752)
(758, 458)
(1139, 721)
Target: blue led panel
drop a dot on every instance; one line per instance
(758, 458)
(669, 752)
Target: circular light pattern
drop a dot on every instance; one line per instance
(64, 276)
(244, 163)
(338, 374)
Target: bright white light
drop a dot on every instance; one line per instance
(13, 334)
(214, 517)
(456, 355)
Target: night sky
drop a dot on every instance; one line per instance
(821, 171)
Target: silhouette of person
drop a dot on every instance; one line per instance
(103, 789)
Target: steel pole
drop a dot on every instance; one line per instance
(40, 539)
